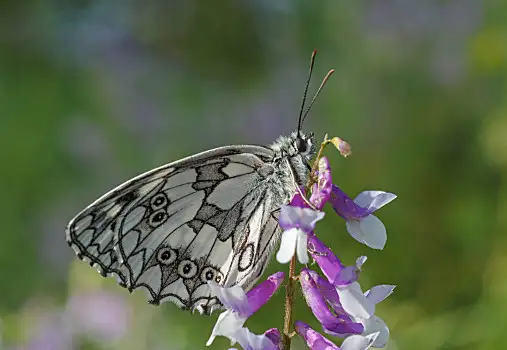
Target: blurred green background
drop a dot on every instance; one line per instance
(95, 92)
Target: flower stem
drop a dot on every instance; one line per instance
(289, 289)
(289, 304)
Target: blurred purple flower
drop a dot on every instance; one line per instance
(361, 224)
(51, 333)
(102, 315)
(240, 306)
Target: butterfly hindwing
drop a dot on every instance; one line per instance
(205, 214)
(172, 229)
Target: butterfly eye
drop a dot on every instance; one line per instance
(210, 274)
(187, 269)
(157, 218)
(159, 201)
(166, 256)
(301, 145)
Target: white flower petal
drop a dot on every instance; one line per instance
(379, 293)
(287, 246)
(227, 325)
(302, 247)
(233, 298)
(360, 261)
(309, 218)
(374, 200)
(251, 341)
(289, 216)
(369, 230)
(375, 325)
(354, 302)
(358, 342)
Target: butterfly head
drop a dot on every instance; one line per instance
(295, 145)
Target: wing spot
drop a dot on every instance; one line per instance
(166, 256)
(210, 274)
(157, 218)
(187, 269)
(159, 201)
(245, 259)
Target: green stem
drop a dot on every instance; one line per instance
(289, 289)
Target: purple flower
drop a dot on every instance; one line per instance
(270, 340)
(317, 291)
(313, 339)
(240, 306)
(331, 266)
(317, 341)
(361, 307)
(321, 191)
(349, 298)
(362, 225)
(297, 223)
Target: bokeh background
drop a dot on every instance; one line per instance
(95, 92)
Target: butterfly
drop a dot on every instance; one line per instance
(212, 216)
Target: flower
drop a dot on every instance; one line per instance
(297, 223)
(240, 306)
(321, 191)
(270, 340)
(349, 298)
(314, 339)
(361, 224)
(100, 314)
(317, 341)
(361, 307)
(331, 266)
(317, 292)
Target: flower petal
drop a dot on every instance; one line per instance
(309, 218)
(302, 247)
(287, 246)
(227, 325)
(359, 342)
(321, 191)
(349, 274)
(332, 323)
(233, 298)
(251, 341)
(261, 293)
(354, 302)
(374, 200)
(313, 339)
(328, 262)
(369, 230)
(379, 293)
(289, 217)
(345, 206)
(375, 325)
(296, 217)
(297, 200)
(274, 335)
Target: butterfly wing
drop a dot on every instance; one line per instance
(169, 231)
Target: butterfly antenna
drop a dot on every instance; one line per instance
(312, 61)
(317, 93)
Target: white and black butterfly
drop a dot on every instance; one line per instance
(212, 216)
